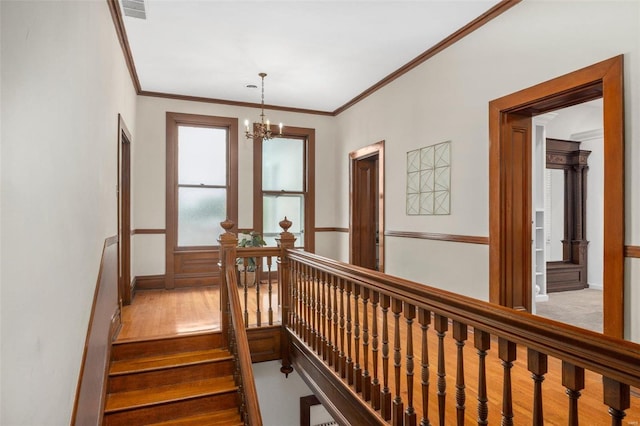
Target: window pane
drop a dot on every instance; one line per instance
(202, 156)
(276, 207)
(200, 211)
(282, 164)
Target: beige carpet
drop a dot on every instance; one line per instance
(582, 308)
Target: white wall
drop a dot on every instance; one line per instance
(446, 98)
(64, 81)
(150, 165)
(279, 396)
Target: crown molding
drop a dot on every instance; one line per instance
(477, 23)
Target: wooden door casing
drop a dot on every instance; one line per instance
(602, 80)
(124, 212)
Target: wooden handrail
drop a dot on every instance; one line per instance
(257, 252)
(252, 406)
(613, 358)
(232, 322)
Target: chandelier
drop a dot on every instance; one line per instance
(262, 129)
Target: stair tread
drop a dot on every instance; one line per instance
(226, 417)
(158, 362)
(120, 401)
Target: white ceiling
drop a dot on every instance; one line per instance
(318, 54)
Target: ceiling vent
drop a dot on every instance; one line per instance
(134, 9)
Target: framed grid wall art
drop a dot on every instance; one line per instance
(429, 180)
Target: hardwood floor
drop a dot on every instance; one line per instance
(155, 313)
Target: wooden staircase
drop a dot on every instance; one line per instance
(177, 381)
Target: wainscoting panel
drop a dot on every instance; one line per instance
(104, 323)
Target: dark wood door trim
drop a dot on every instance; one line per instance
(604, 79)
(124, 212)
(376, 149)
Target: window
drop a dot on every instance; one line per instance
(285, 185)
(202, 184)
(202, 191)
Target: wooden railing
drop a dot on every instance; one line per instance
(373, 333)
(388, 350)
(233, 328)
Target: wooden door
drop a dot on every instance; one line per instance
(365, 224)
(366, 233)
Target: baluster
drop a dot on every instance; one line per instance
(398, 406)
(357, 371)
(317, 338)
(537, 365)
(313, 282)
(441, 326)
(410, 413)
(269, 288)
(245, 290)
(343, 358)
(349, 360)
(336, 324)
(308, 299)
(573, 380)
(293, 297)
(482, 342)
(460, 336)
(507, 353)
(385, 395)
(323, 312)
(424, 318)
(258, 272)
(366, 378)
(330, 347)
(617, 397)
(298, 299)
(375, 383)
(302, 306)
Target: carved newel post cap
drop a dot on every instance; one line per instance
(227, 236)
(285, 224)
(227, 225)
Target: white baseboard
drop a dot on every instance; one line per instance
(596, 287)
(542, 298)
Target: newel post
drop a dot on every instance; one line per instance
(228, 243)
(285, 242)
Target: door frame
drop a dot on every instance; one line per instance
(355, 156)
(124, 212)
(605, 80)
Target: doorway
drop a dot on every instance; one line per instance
(124, 213)
(510, 206)
(366, 230)
(567, 188)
